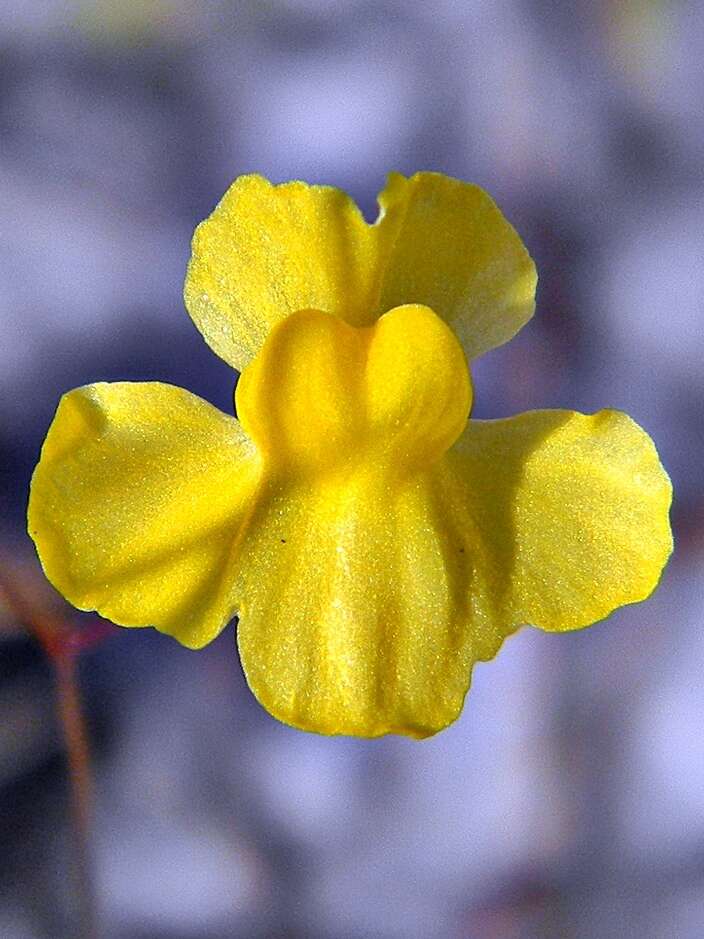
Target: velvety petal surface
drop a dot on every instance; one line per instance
(369, 597)
(565, 517)
(269, 251)
(349, 617)
(137, 504)
(353, 621)
(322, 395)
(444, 243)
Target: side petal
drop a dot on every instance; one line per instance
(445, 244)
(268, 251)
(564, 515)
(351, 621)
(137, 502)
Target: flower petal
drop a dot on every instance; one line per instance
(137, 502)
(418, 387)
(268, 251)
(322, 394)
(351, 620)
(444, 243)
(348, 617)
(564, 515)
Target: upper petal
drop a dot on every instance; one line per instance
(564, 515)
(137, 503)
(268, 251)
(444, 243)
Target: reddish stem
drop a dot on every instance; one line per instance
(81, 781)
(62, 644)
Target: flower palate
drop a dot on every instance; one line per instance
(373, 541)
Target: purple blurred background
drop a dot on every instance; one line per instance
(568, 800)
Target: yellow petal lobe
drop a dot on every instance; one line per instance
(323, 394)
(444, 243)
(136, 505)
(351, 621)
(418, 390)
(268, 251)
(565, 517)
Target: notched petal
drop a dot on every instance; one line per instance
(268, 251)
(323, 395)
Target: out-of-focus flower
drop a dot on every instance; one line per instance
(373, 541)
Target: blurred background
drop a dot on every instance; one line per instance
(568, 800)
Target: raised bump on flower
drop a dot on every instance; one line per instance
(373, 541)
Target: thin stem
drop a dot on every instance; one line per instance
(81, 783)
(62, 646)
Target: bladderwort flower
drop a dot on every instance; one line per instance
(374, 542)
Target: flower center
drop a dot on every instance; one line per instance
(325, 395)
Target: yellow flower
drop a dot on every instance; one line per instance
(374, 543)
